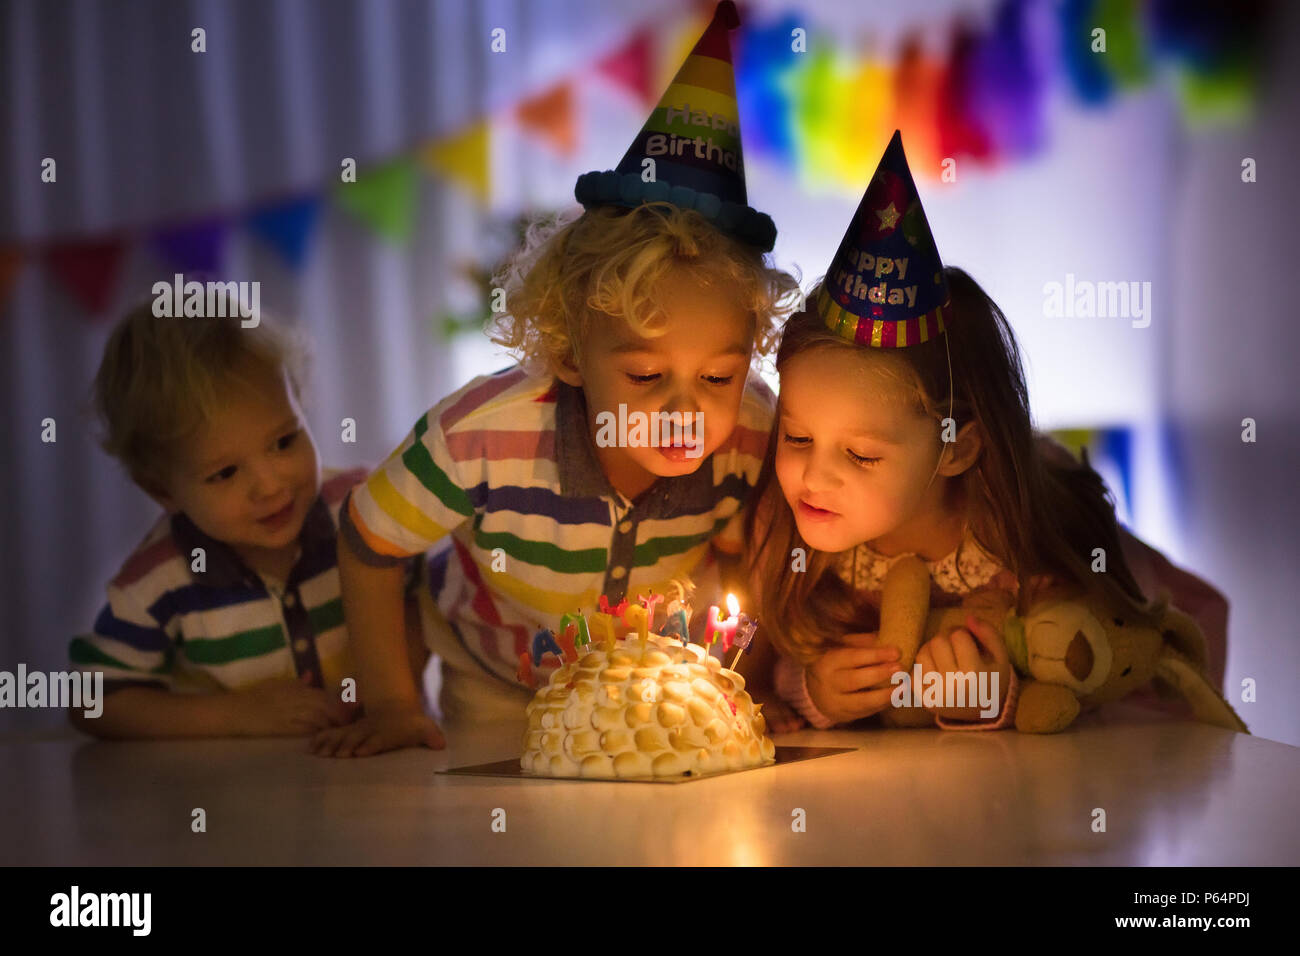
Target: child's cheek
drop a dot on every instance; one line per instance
(309, 462)
(785, 476)
(219, 512)
(722, 415)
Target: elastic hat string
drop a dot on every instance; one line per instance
(944, 445)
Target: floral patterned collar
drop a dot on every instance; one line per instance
(966, 569)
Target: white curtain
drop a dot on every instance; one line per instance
(145, 131)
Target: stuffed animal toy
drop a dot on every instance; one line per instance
(1070, 652)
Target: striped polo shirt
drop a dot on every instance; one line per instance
(224, 627)
(501, 478)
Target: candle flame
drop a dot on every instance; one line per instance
(733, 606)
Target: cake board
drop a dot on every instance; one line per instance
(511, 768)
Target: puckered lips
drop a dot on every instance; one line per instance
(811, 510)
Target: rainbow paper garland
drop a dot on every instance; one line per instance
(823, 113)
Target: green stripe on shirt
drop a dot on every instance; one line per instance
(226, 650)
(420, 463)
(328, 615)
(83, 652)
(654, 550)
(544, 554)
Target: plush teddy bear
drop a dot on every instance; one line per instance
(1070, 652)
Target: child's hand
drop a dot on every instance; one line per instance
(959, 654)
(838, 682)
(291, 708)
(376, 733)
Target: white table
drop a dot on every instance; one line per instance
(1174, 794)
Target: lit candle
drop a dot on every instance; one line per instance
(723, 628)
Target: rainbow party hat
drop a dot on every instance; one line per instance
(693, 139)
(885, 287)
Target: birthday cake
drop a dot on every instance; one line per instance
(658, 708)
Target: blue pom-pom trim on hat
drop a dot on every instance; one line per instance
(610, 188)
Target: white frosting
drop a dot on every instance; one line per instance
(661, 709)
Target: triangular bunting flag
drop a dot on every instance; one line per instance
(11, 259)
(286, 227)
(630, 66)
(193, 248)
(870, 105)
(88, 270)
(550, 115)
(1011, 85)
(763, 61)
(462, 157)
(960, 130)
(383, 197)
(816, 93)
(918, 82)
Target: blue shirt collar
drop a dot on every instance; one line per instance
(224, 569)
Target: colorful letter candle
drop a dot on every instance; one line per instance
(635, 616)
(566, 639)
(724, 629)
(583, 636)
(676, 624)
(543, 641)
(608, 614)
(744, 635)
(605, 623)
(525, 673)
(649, 602)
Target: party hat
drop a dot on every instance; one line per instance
(885, 287)
(693, 138)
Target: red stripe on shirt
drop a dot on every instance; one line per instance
(476, 397)
(499, 445)
(482, 605)
(145, 560)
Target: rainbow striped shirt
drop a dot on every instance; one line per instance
(223, 628)
(502, 477)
